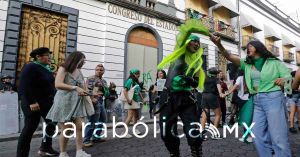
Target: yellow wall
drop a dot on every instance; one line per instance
(269, 42)
(198, 5)
(286, 48)
(247, 31)
(298, 56)
(222, 14)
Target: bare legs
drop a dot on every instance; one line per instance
(63, 141)
(217, 119)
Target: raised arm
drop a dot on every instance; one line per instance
(190, 26)
(232, 58)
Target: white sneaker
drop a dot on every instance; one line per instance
(81, 153)
(241, 139)
(127, 136)
(138, 132)
(249, 139)
(63, 154)
(158, 131)
(214, 137)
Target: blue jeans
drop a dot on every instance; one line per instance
(99, 116)
(103, 113)
(270, 128)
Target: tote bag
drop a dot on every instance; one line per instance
(130, 93)
(134, 104)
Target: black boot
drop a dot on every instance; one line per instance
(196, 151)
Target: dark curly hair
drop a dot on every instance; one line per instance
(260, 49)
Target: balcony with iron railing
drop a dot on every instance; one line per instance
(224, 29)
(206, 20)
(245, 40)
(149, 3)
(221, 28)
(135, 1)
(288, 56)
(273, 49)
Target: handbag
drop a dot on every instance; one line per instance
(88, 104)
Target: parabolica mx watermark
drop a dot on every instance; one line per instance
(196, 126)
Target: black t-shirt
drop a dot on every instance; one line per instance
(210, 85)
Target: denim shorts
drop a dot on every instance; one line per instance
(294, 100)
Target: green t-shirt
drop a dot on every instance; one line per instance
(129, 84)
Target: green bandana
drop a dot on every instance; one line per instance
(46, 66)
(194, 38)
(210, 75)
(134, 71)
(259, 63)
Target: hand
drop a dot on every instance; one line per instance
(226, 94)
(129, 102)
(81, 92)
(94, 100)
(100, 94)
(191, 81)
(188, 78)
(280, 81)
(35, 107)
(215, 39)
(222, 95)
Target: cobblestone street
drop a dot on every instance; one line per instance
(152, 147)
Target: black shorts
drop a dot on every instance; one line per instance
(210, 101)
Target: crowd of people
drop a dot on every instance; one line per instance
(263, 83)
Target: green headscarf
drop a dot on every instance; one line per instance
(134, 71)
(194, 37)
(193, 60)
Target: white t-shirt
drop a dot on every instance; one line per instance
(240, 83)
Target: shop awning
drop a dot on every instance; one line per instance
(297, 46)
(246, 21)
(227, 4)
(270, 33)
(212, 2)
(286, 41)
